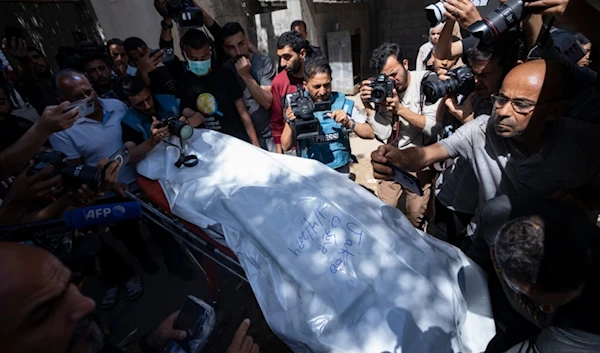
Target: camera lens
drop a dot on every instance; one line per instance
(186, 131)
(83, 174)
(378, 94)
(505, 17)
(435, 13)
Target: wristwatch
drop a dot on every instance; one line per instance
(353, 124)
(165, 25)
(287, 120)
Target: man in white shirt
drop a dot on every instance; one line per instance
(424, 58)
(405, 120)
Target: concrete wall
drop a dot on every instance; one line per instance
(404, 22)
(48, 26)
(327, 17)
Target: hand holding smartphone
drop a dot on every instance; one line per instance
(407, 180)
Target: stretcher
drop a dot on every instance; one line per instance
(203, 247)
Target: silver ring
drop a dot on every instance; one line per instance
(162, 134)
(54, 190)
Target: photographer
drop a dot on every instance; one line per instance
(524, 148)
(34, 73)
(292, 50)
(211, 95)
(150, 67)
(46, 312)
(404, 119)
(332, 145)
(120, 61)
(97, 69)
(255, 73)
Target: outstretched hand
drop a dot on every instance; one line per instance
(242, 342)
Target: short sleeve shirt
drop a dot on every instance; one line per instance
(565, 162)
(92, 141)
(263, 71)
(214, 95)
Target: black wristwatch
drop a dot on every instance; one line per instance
(164, 24)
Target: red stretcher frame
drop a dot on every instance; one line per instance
(193, 239)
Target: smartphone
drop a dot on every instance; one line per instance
(121, 156)
(12, 32)
(191, 317)
(407, 180)
(169, 54)
(86, 107)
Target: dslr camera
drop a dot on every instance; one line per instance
(306, 125)
(383, 87)
(436, 13)
(507, 16)
(185, 13)
(461, 81)
(73, 175)
(176, 127)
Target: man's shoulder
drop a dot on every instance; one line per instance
(281, 79)
(113, 103)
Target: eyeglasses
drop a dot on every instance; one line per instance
(519, 105)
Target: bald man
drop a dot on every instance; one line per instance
(43, 312)
(524, 148)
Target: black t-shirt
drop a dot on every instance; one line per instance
(214, 95)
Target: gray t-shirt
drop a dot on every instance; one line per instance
(567, 161)
(263, 71)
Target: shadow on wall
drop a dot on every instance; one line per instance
(48, 26)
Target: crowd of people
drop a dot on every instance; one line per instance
(507, 167)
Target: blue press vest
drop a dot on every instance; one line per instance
(164, 103)
(332, 146)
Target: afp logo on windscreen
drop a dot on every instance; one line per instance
(117, 211)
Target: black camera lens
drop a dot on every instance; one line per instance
(83, 174)
(378, 95)
(505, 17)
(180, 129)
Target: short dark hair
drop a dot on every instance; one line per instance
(547, 249)
(30, 48)
(298, 23)
(195, 39)
(505, 49)
(294, 40)
(314, 66)
(131, 86)
(581, 38)
(94, 56)
(231, 29)
(381, 54)
(133, 43)
(114, 41)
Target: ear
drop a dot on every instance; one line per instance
(405, 64)
(302, 53)
(304, 84)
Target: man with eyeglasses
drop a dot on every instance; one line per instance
(524, 148)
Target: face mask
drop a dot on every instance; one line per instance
(199, 68)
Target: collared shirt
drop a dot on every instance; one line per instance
(91, 140)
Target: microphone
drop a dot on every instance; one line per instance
(102, 214)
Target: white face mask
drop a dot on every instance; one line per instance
(199, 68)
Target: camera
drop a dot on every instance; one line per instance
(73, 175)
(185, 13)
(461, 81)
(176, 127)
(383, 87)
(306, 125)
(436, 13)
(507, 16)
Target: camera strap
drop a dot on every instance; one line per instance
(538, 48)
(183, 160)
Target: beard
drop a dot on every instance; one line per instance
(87, 337)
(294, 68)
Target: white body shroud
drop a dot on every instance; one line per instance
(333, 268)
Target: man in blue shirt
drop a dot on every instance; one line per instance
(332, 145)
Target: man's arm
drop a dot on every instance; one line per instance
(445, 48)
(262, 94)
(194, 118)
(362, 129)
(412, 159)
(137, 151)
(53, 119)
(277, 122)
(247, 121)
(287, 138)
